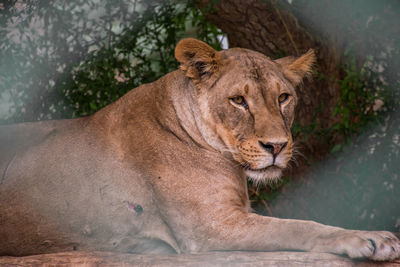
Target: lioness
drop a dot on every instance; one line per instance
(163, 169)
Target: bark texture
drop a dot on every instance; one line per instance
(208, 259)
(270, 28)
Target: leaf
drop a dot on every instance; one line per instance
(336, 148)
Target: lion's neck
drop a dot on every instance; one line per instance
(187, 109)
(170, 103)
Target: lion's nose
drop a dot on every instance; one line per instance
(272, 148)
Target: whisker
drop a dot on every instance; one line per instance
(289, 165)
(296, 151)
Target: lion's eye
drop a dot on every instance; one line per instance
(283, 97)
(239, 100)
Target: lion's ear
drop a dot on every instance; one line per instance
(198, 60)
(295, 69)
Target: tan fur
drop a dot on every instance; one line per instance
(164, 168)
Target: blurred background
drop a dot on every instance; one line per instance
(65, 59)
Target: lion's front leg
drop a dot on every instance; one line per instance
(250, 231)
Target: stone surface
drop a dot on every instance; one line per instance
(234, 258)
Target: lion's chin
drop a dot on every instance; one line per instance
(265, 175)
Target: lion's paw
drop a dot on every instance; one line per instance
(379, 246)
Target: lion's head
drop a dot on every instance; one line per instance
(246, 102)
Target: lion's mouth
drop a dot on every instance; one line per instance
(269, 173)
(268, 168)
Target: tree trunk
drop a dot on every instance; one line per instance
(270, 28)
(233, 258)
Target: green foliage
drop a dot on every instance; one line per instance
(83, 55)
(141, 56)
(270, 191)
(365, 97)
(356, 104)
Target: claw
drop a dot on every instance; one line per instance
(373, 245)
